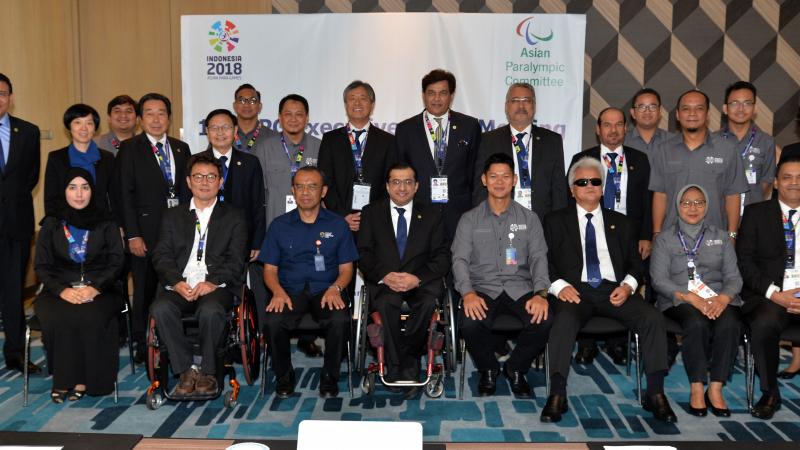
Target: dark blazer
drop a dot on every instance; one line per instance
(565, 254)
(225, 247)
(142, 189)
(462, 148)
(639, 199)
(57, 270)
(548, 182)
(337, 162)
(760, 250)
(427, 255)
(18, 180)
(55, 175)
(245, 190)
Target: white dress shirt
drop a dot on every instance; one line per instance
(785, 210)
(218, 155)
(445, 121)
(361, 139)
(204, 215)
(621, 206)
(396, 215)
(168, 150)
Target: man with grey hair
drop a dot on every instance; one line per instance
(356, 157)
(538, 155)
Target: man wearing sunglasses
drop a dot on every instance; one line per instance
(595, 269)
(645, 134)
(247, 106)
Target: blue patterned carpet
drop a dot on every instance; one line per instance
(602, 404)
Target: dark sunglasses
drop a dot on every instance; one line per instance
(583, 182)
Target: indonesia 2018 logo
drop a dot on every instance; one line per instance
(222, 64)
(223, 36)
(533, 34)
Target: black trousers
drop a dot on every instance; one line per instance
(403, 349)
(13, 260)
(635, 314)
(210, 311)
(334, 323)
(709, 346)
(145, 281)
(480, 342)
(256, 271)
(767, 321)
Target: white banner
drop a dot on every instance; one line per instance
(317, 55)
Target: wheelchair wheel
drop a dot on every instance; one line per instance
(228, 400)
(153, 353)
(368, 384)
(249, 341)
(154, 400)
(435, 388)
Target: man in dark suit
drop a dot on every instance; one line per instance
(19, 173)
(355, 157)
(404, 257)
(149, 168)
(768, 258)
(199, 259)
(441, 146)
(538, 155)
(595, 269)
(625, 191)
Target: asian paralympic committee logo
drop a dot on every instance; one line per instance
(525, 29)
(223, 36)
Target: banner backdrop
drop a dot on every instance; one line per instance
(317, 55)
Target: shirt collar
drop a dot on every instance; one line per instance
(355, 128)
(785, 209)
(408, 206)
(218, 154)
(595, 212)
(193, 207)
(603, 150)
(445, 116)
(153, 140)
(6, 120)
(527, 130)
(292, 144)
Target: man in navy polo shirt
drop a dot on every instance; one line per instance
(308, 256)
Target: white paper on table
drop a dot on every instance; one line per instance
(29, 447)
(639, 447)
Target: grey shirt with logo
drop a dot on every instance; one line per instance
(759, 158)
(634, 139)
(243, 138)
(480, 252)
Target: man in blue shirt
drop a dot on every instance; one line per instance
(308, 256)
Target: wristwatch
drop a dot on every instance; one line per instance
(336, 286)
(541, 293)
(733, 234)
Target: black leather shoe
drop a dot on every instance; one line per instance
(586, 355)
(556, 406)
(787, 375)
(328, 386)
(488, 383)
(617, 354)
(659, 406)
(309, 348)
(719, 412)
(698, 412)
(766, 407)
(519, 385)
(16, 364)
(285, 385)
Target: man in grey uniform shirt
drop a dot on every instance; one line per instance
(697, 157)
(247, 106)
(121, 123)
(645, 135)
(500, 264)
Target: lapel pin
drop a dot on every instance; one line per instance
(537, 138)
(630, 167)
(16, 130)
(455, 126)
(238, 163)
(613, 226)
(419, 216)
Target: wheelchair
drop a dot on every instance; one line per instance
(440, 341)
(240, 344)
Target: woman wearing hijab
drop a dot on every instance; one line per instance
(81, 121)
(78, 259)
(694, 273)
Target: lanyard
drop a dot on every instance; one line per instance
(616, 173)
(524, 169)
(358, 151)
(166, 168)
(252, 141)
(297, 159)
(440, 148)
(746, 148)
(77, 252)
(788, 235)
(691, 255)
(115, 142)
(201, 244)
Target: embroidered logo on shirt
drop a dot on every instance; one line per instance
(325, 234)
(517, 227)
(713, 160)
(711, 242)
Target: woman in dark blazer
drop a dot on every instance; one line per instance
(686, 258)
(78, 259)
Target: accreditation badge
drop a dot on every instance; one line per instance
(791, 279)
(196, 274)
(524, 196)
(439, 190)
(360, 196)
(701, 289)
(290, 203)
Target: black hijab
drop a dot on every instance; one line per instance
(86, 218)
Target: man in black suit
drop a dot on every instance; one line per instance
(595, 269)
(199, 258)
(625, 191)
(355, 157)
(404, 257)
(538, 155)
(768, 258)
(19, 174)
(149, 168)
(441, 146)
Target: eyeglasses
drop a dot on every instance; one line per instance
(247, 100)
(407, 182)
(583, 182)
(518, 100)
(217, 128)
(652, 107)
(4, 93)
(200, 177)
(306, 187)
(686, 204)
(736, 104)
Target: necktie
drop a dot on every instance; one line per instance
(522, 162)
(2, 155)
(437, 135)
(358, 134)
(790, 241)
(592, 261)
(438, 150)
(402, 232)
(610, 191)
(223, 160)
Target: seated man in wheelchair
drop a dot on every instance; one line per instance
(199, 260)
(308, 256)
(404, 257)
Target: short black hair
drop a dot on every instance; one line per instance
(498, 158)
(247, 86)
(788, 159)
(121, 100)
(218, 112)
(610, 108)
(690, 91)
(154, 96)
(400, 166)
(437, 75)
(6, 80)
(293, 97)
(740, 85)
(78, 111)
(313, 169)
(645, 91)
(202, 158)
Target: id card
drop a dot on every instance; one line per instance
(524, 197)
(360, 196)
(439, 189)
(511, 256)
(172, 202)
(290, 203)
(196, 275)
(701, 289)
(319, 263)
(791, 279)
(752, 176)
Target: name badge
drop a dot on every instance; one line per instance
(791, 279)
(511, 256)
(360, 196)
(752, 176)
(701, 289)
(439, 189)
(319, 263)
(196, 275)
(290, 203)
(172, 202)
(524, 196)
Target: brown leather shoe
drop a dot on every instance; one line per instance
(206, 384)
(186, 385)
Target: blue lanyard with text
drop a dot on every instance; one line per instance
(201, 244)
(77, 252)
(358, 151)
(164, 164)
(440, 148)
(295, 163)
(788, 234)
(691, 255)
(753, 130)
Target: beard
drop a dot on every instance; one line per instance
(693, 130)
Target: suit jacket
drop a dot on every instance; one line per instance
(548, 182)
(760, 250)
(225, 246)
(426, 256)
(462, 148)
(18, 180)
(565, 252)
(142, 189)
(244, 189)
(55, 178)
(337, 162)
(638, 203)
